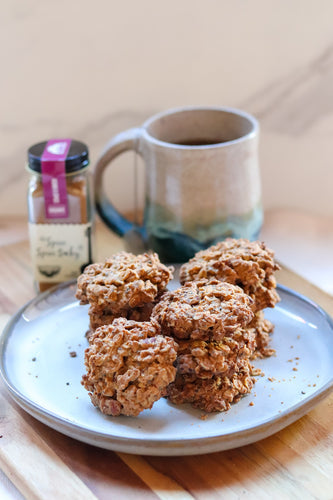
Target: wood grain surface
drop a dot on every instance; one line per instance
(297, 462)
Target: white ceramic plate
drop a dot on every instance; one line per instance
(44, 379)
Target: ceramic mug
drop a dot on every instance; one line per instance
(202, 180)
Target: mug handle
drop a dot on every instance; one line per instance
(124, 141)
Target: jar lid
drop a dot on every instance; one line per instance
(77, 157)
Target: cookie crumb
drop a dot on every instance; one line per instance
(73, 354)
(203, 416)
(251, 403)
(271, 379)
(295, 369)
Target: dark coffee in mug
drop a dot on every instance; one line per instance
(199, 142)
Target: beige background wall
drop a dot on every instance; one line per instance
(90, 69)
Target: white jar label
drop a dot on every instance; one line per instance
(59, 252)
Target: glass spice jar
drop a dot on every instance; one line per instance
(60, 211)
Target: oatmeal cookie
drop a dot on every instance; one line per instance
(123, 281)
(241, 262)
(129, 366)
(214, 394)
(203, 310)
(98, 318)
(262, 329)
(207, 359)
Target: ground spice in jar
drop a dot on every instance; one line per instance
(60, 211)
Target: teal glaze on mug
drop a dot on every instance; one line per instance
(202, 180)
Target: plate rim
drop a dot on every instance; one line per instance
(163, 446)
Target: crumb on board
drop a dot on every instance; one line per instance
(302, 392)
(251, 403)
(271, 379)
(33, 359)
(73, 354)
(295, 369)
(203, 416)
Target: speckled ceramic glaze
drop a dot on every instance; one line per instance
(202, 180)
(44, 378)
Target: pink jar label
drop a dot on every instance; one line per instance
(53, 171)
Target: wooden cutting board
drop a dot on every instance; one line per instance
(297, 462)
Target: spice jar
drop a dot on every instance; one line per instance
(60, 211)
